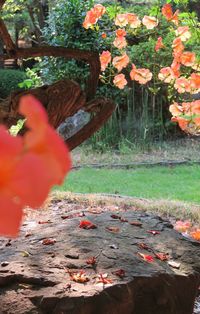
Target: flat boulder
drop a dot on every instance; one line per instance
(78, 259)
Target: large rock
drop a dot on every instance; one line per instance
(37, 278)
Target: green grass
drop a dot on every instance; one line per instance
(172, 183)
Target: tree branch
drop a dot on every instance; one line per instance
(2, 3)
(91, 58)
(6, 38)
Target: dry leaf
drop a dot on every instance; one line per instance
(136, 223)
(119, 272)
(44, 222)
(113, 229)
(143, 246)
(48, 241)
(114, 216)
(73, 215)
(123, 219)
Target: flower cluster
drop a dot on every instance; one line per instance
(183, 75)
(187, 115)
(94, 15)
(30, 165)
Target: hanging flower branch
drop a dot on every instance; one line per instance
(182, 75)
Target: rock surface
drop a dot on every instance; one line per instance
(37, 275)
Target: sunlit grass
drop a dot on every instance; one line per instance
(180, 183)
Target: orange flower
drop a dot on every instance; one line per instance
(121, 62)
(183, 33)
(196, 65)
(182, 85)
(120, 81)
(168, 14)
(183, 123)
(177, 46)
(195, 107)
(103, 35)
(99, 10)
(166, 75)
(182, 226)
(195, 81)
(93, 15)
(175, 109)
(195, 234)
(159, 44)
(30, 165)
(121, 20)
(149, 21)
(167, 11)
(105, 59)
(120, 42)
(120, 33)
(175, 66)
(133, 20)
(175, 18)
(142, 76)
(187, 58)
(90, 19)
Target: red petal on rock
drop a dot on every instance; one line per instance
(162, 256)
(86, 224)
(146, 257)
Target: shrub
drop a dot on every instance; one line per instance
(9, 81)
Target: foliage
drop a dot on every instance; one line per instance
(64, 28)
(10, 80)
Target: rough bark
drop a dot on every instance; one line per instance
(61, 100)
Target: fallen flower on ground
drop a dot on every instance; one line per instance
(162, 256)
(79, 277)
(103, 278)
(182, 226)
(195, 234)
(146, 257)
(86, 224)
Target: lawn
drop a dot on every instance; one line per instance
(180, 183)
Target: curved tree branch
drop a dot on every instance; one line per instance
(90, 57)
